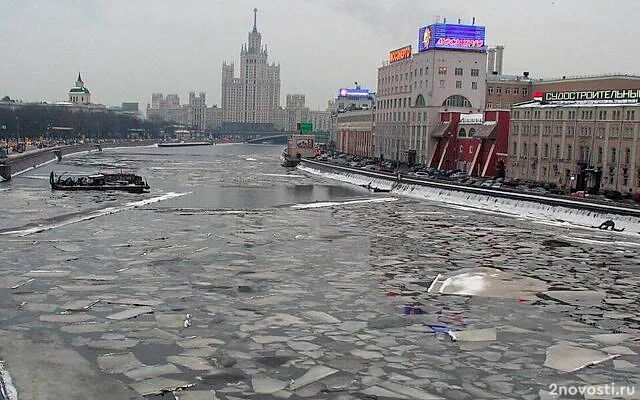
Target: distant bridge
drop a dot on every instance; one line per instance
(280, 138)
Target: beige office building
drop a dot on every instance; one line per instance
(581, 139)
(448, 73)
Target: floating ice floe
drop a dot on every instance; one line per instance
(487, 282)
(569, 358)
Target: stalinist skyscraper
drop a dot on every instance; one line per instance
(255, 96)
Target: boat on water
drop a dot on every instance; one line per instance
(288, 161)
(183, 144)
(121, 181)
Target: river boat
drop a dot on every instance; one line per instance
(288, 161)
(120, 181)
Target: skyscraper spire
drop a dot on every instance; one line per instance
(255, 19)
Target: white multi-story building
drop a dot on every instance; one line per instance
(254, 97)
(448, 73)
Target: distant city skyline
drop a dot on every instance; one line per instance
(126, 51)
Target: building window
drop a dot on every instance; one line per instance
(458, 71)
(613, 155)
(631, 115)
(498, 90)
(456, 101)
(535, 149)
(627, 156)
(515, 148)
(515, 91)
(458, 84)
(558, 153)
(470, 149)
(489, 104)
(490, 90)
(569, 153)
(507, 90)
(525, 92)
(546, 150)
(442, 70)
(441, 83)
(524, 150)
(475, 72)
(474, 85)
(600, 152)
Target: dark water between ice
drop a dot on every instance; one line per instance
(285, 274)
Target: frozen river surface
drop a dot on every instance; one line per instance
(236, 278)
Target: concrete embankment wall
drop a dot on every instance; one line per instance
(554, 208)
(25, 161)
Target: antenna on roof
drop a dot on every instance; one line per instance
(473, 21)
(459, 21)
(445, 20)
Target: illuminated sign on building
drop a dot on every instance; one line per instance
(594, 95)
(451, 37)
(400, 54)
(353, 92)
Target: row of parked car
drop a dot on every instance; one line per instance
(460, 177)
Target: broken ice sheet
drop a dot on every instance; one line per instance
(170, 320)
(314, 374)
(133, 312)
(568, 358)
(194, 363)
(78, 305)
(158, 386)
(152, 371)
(576, 297)
(267, 385)
(195, 395)
(117, 363)
(474, 335)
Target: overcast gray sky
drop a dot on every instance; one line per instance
(128, 49)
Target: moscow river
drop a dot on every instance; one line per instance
(235, 278)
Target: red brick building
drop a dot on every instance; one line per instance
(354, 133)
(473, 143)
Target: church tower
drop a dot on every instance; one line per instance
(79, 94)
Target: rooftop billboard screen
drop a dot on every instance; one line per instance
(353, 92)
(451, 37)
(400, 54)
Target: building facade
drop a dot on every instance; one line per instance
(473, 143)
(354, 133)
(254, 97)
(505, 90)
(578, 144)
(448, 73)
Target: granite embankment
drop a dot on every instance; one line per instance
(20, 162)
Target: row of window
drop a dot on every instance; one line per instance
(497, 105)
(614, 131)
(508, 90)
(583, 154)
(629, 115)
(443, 70)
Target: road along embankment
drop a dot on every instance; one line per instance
(14, 165)
(550, 208)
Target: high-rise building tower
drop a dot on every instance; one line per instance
(254, 97)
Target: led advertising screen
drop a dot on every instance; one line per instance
(451, 37)
(353, 92)
(400, 54)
